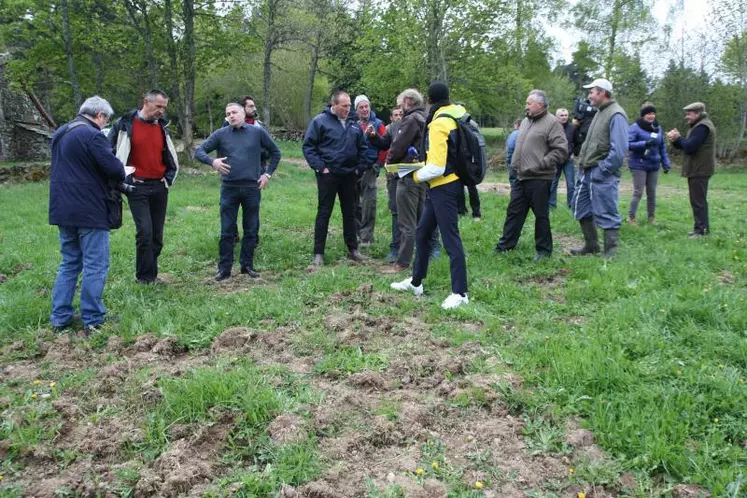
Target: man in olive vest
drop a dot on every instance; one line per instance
(599, 163)
(700, 162)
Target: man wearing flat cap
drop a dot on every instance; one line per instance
(600, 161)
(700, 162)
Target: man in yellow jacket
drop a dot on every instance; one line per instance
(441, 205)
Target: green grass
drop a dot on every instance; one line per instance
(648, 350)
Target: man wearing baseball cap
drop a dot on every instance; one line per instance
(600, 162)
(700, 162)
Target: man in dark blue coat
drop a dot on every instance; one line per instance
(83, 166)
(335, 149)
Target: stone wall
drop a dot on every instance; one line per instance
(23, 134)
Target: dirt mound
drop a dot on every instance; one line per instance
(145, 343)
(233, 339)
(287, 429)
(168, 346)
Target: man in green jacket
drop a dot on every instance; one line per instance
(700, 162)
(541, 147)
(597, 189)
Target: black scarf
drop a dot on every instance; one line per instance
(435, 106)
(649, 127)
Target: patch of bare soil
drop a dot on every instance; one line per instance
(378, 427)
(498, 188)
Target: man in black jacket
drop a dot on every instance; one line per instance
(335, 148)
(141, 142)
(82, 168)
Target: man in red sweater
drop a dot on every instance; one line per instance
(141, 142)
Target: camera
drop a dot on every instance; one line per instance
(123, 188)
(583, 109)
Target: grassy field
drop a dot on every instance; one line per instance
(575, 375)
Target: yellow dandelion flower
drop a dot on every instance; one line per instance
(479, 485)
(420, 471)
(581, 494)
(34, 396)
(434, 465)
(53, 384)
(37, 382)
(571, 470)
(715, 421)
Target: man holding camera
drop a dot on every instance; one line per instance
(83, 167)
(599, 162)
(140, 141)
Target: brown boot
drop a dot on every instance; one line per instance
(652, 220)
(632, 220)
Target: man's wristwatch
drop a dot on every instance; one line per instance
(267, 175)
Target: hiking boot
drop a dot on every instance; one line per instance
(611, 240)
(540, 256)
(631, 220)
(222, 275)
(249, 271)
(406, 285)
(652, 220)
(696, 234)
(591, 240)
(355, 255)
(97, 327)
(395, 268)
(454, 301)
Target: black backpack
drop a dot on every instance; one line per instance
(472, 157)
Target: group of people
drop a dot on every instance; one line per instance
(541, 148)
(347, 150)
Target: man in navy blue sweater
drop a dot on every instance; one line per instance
(239, 162)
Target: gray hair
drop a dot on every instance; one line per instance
(234, 104)
(93, 106)
(153, 94)
(413, 96)
(562, 109)
(540, 96)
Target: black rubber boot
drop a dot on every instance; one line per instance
(611, 240)
(591, 240)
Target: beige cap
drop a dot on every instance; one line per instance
(600, 83)
(695, 106)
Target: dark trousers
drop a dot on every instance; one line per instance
(392, 179)
(648, 180)
(698, 200)
(330, 186)
(366, 205)
(526, 195)
(474, 202)
(231, 198)
(148, 206)
(441, 212)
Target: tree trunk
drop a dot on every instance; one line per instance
(610, 62)
(68, 40)
(148, 39)
(190, 73)
(210, 115)
(98, 63)
(312, 75)
(267, 68)
(39, 107)
(435, 13)
(176, 94)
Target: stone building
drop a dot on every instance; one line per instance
(24, 135)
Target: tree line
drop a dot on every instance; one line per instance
(290, 54)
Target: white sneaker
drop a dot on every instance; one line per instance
(406, 285)
(454, 301)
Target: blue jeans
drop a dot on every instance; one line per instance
(86, 250)
(230, 199)
(596, 195)
(569, 170)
